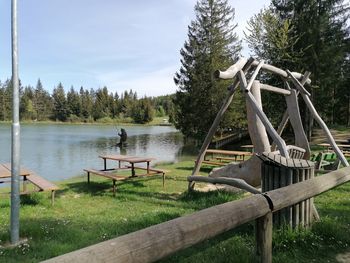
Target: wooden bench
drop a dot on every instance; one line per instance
(214, 163)
(151, 171)
(42, 184)
(114, 177)
(109, 175)
(221, 158)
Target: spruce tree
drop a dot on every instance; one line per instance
(60, 103)
(316, 40)
(211, 45)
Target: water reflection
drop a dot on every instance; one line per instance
(62, 151)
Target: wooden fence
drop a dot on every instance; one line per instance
(158, 241)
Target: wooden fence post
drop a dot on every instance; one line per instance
(263, 232)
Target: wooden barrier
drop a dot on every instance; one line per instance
(156, 242)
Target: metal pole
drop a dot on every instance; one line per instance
(15, 151)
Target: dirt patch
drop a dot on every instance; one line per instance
(343, 258)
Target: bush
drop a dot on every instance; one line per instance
(73, 118)
(31, 199)
(105, 120)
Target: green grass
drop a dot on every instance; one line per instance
(86, 214)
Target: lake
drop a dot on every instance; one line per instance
(60, 151)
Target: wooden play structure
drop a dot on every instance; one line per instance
(259, 127)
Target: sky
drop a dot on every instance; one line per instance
(123, 45)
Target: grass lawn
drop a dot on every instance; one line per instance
(86, 214)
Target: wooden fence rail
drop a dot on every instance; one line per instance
(156, 242)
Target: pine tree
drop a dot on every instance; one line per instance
(211, 45)
(42, 103)
(60, 103)
(73, 104)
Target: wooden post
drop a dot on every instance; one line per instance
(319, 120)
(88, 177)
(114, 188)
(264, 238)
(241, 64)
(52, 197)
(105, 163)
(24, 183)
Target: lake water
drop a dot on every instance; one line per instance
(58, 152)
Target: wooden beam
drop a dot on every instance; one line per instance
(279, 71)
(239, 183)
(274, 89)
(285, 117)
(325, 130)
(158, 241)
(216, 123)
(272, 132)
(255, 74)
(297, 84)
(231, 72)
(295, 193)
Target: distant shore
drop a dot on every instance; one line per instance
(158, 121)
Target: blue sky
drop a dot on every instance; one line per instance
(123, 45)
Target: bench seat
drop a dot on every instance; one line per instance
(42, 184)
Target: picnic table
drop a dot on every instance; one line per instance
(130, 159)
(110, 173)
(329, 147)
(224, 155)
(28, 176)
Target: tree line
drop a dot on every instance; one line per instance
(85, 105)
(299, 35)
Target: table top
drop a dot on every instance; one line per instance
(225, 152)
(127, 158)
(339, 145)
(5, 171)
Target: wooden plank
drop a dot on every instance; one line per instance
(4, 172)
(42, 183)
(215, 163)
(107, 174)
(150, 169)
(225, 152)
(23, 171)
(158, 241)
(274, 89)
(138, 159)
(114, 157)
(239, 183)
